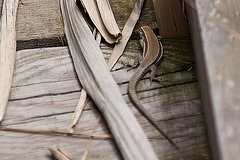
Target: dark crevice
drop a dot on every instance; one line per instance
(41, 43)
(48, 115)
(32, 119)
(43, 95)
(174, 103)
(26, 85)
(167, 86)
(53, 114)
(185, 117)
(161, 87)
(164, 74)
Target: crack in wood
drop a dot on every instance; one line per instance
(43, 95)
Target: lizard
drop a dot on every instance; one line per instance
(152, 55)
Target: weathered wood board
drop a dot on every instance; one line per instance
(45, 92)
(171, 19)
(215, 28)
(39, 23)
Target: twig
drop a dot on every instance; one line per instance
(84, 157)
(53, 132)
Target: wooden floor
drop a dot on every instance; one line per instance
(45, 92)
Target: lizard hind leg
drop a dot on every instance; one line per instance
(136, 62)
(153, 70)
(153, 77)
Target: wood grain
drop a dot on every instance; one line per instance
(46, 91)
(170, 18)
(46, 98)
(39, 23)
(215, 27)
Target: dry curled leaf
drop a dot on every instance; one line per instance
(108, 17)
(94, 14)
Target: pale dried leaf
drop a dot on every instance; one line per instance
(102, 88)
(83, 100)
(7, 51)
(61, 150)
(58, 154)
(83, 97)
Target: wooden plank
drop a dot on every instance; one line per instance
(39, 23)
(215, 28)
(170, 18)
(45, 93)
(38, 20)
(54, 73)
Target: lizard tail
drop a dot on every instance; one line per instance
(133, 96)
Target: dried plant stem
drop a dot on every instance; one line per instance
(126, 33)
(84, 157)
(53, 132)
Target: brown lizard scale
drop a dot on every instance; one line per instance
(152, 53)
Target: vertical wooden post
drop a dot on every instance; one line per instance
(216, 37)
(170, 18)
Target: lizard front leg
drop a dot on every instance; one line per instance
(136, 62)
